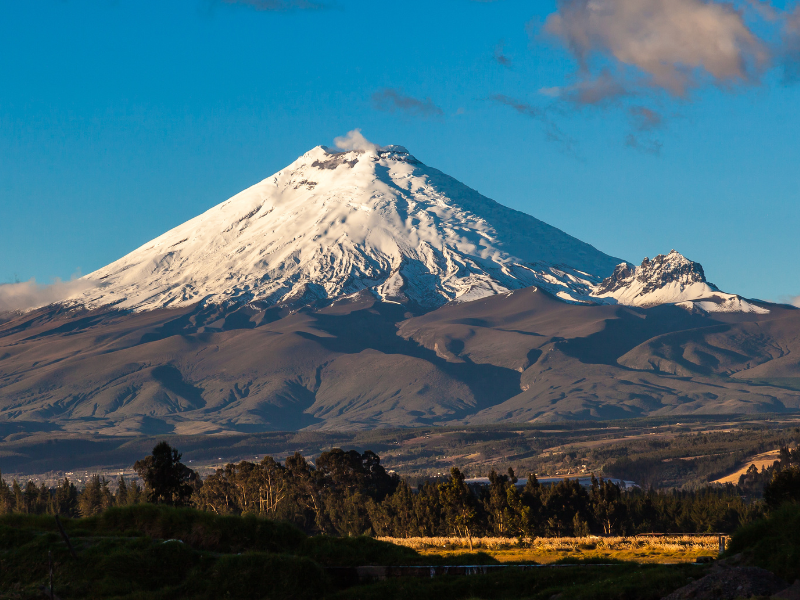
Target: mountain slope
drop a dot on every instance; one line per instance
(290, 306)
(334, 223)
(362, 363)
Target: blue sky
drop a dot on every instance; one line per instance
(122, 119)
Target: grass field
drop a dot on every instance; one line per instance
(641, 549)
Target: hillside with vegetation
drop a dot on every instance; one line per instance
(297, 529)
(351, 493)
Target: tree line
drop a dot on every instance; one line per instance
(65, 499)
(347, 493)
(351, 493)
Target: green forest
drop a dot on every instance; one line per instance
(348, 493)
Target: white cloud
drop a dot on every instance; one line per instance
(29, 294)
(631, 54)
(355, 141)
(672, 45)
(790, 300)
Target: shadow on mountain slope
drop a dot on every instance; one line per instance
(631, 327)
(360, 363)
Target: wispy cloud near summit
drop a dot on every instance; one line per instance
(29, 294)
(354, 140)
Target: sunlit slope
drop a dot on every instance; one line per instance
(333, 224)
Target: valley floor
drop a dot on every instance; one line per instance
(655, 452)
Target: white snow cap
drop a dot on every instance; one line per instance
(375, 220)
(334, 223)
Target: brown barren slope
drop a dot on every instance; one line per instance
(361, 364)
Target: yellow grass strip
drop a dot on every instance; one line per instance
(675, 548)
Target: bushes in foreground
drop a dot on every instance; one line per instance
(205, 532)
(620, 582)
(117, 560)
(157, 551)
(772, 543)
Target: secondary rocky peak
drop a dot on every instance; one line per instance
(670, 268)
(664, 269)
(623, 274)
(668, 279)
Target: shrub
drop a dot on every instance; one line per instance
(784, 487)
(11, 537)
(201, 530)
(772, 543)
(267, 576)
(118, 567)
(357, 551)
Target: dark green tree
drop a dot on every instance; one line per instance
(121, 498)
(6, 497)
(351, 470)
(784, 487)
(167, 480)
(134, 494)
(66, 499)
(91, 499)
(19, 497)
(459, 505)
(607, 505)
(495, 502)
(44, 500)
(306, 506)
(29, 497)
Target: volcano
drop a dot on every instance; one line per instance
(361, 289)
(332, 224)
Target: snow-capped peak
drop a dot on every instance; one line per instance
(337, 222)
(651, 276)
(370, 218)
(668, 279)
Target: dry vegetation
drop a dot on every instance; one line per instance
(761, 461)
(661, 549)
